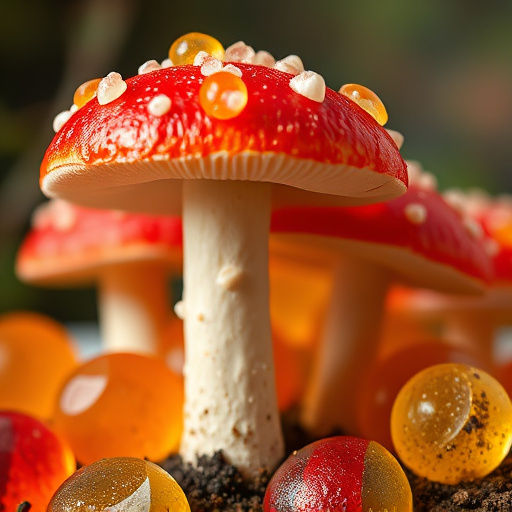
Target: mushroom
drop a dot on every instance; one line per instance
(473, 321)
(129, 256)
(417, 238)
(228, 147)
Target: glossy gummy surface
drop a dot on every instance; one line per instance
(33, 462)
(36, 355)
(339, 473)
(121, 405)
(122, 484)
(86, 92)
(223, 95)
(384, 379)
(185, 48)
(452, 422)
(367, 100)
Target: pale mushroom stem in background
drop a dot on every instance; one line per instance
(133, 306)
(230, 394)
(348, 344)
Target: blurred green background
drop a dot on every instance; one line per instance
(442, 68)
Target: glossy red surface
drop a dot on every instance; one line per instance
(325, 475)
(70, 237)
(441, 238)
(33, 462)
(276, 120)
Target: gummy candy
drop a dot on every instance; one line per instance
(185, 48)
(452, 422)
(121, 404)
(339, 473)
(36, 355)
(223, 95)
(384, 379)
(33, 462)
(120, 484)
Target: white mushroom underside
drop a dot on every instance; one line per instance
(156, 190)
(407, 266)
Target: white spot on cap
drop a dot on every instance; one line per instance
(456, 199)
(110, 88)
(473, 227)
(148, 66)
(239, 52)
(61, 119)
(414, 170)
(309, 84)
(397, 137)
(427, 181)
(230, 68)
(229, 277)
(167, 63)
(209, 64)
(263, 58)
(286, 68)
(57, 214)
(291, 64)
(159, 105)
(415, 213)
(179, 309)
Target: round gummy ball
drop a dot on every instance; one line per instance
(343, 473)
(121, 405)
(452, 422)
(120, 484)
(33, 462)
(36, 355)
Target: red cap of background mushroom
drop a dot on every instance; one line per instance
(472, 321)
(128, 255)
(417, 238)
(227, 143)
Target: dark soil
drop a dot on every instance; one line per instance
(216, 486)
(490, 494)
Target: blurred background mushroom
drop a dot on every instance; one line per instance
(442, 69)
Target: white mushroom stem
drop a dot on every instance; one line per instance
(133, 306)
(349, 343)
(230, 397)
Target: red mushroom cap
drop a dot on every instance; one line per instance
(333, 147)
(418, 236)
(69, 244)
(496, 221)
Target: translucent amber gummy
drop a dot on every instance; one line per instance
(86, 92)
(340, 474)
(36, 355)
(367, 100)
(185, 48)
(223, 95)
(384, 379)
(452, 422)
(120, 484)
(121, 405)
(33, 462)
